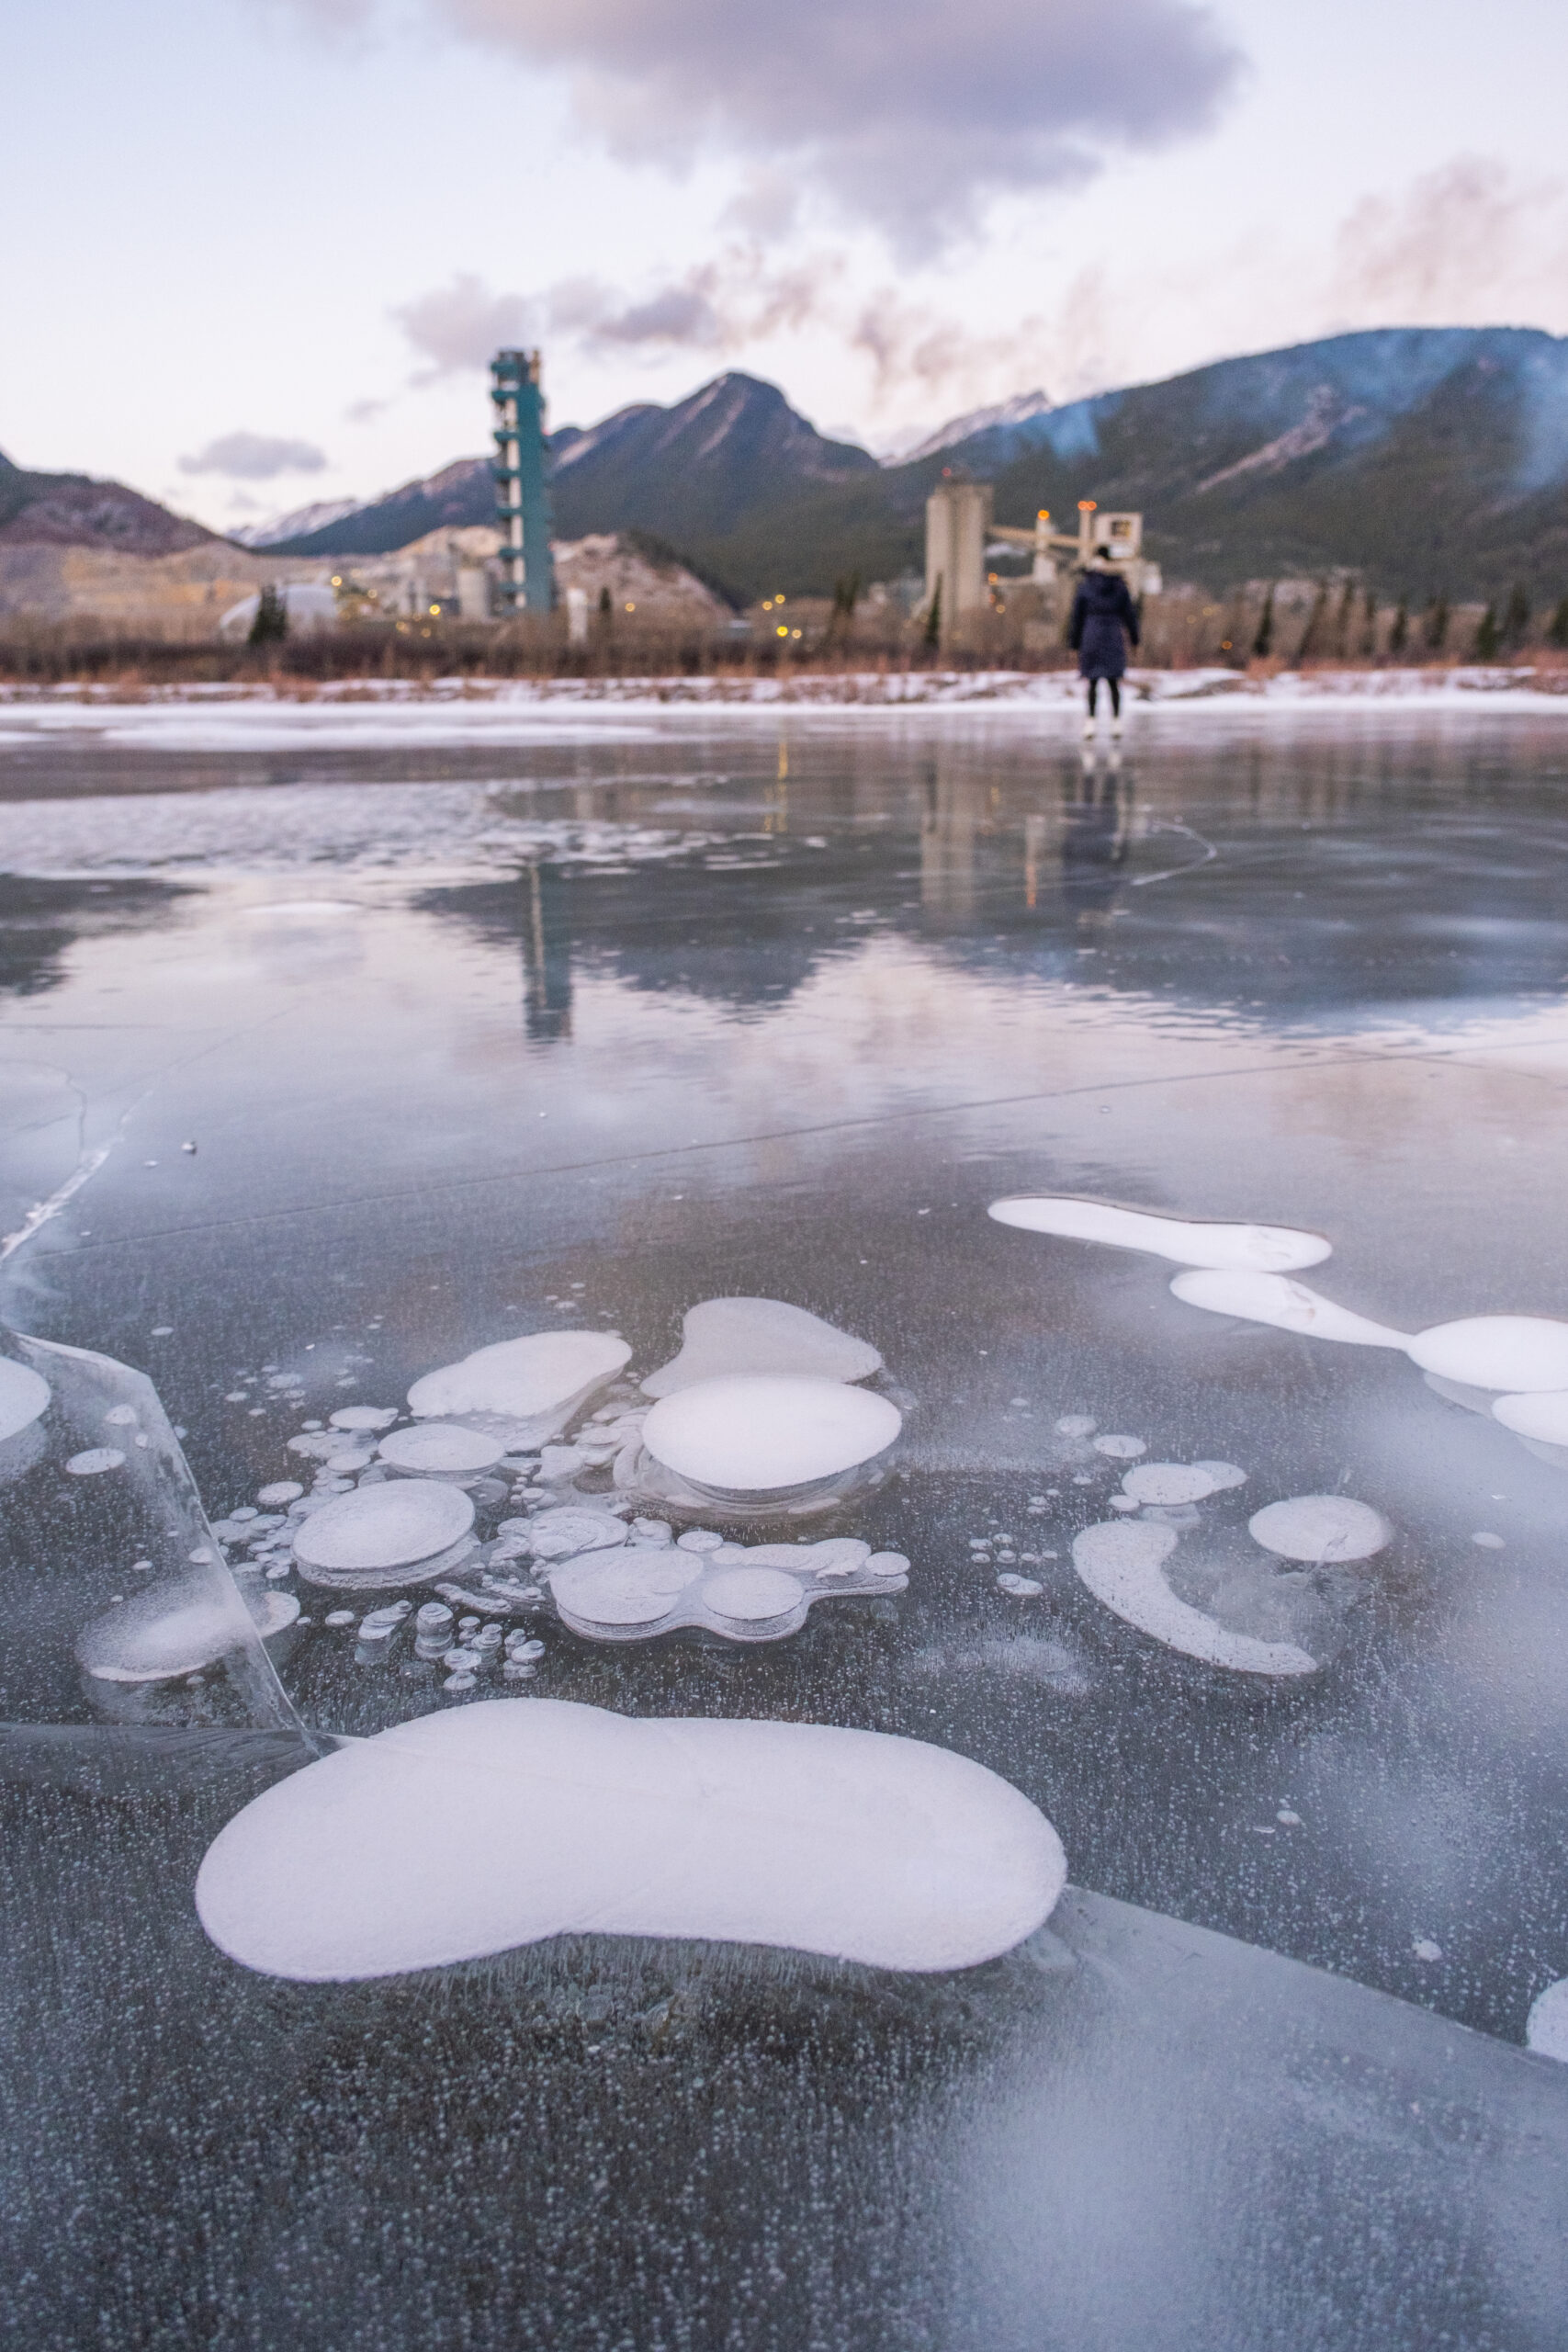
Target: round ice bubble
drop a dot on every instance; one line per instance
(362, 1417)
(377, 1528)
(1120, 1448)
(854, 1844)
(758, 1433)
(24, 1394)
(1221, 1473)
(170, 1631)
(97, 1459)
(561, 1534)
(626, 1588)
(1546, 2028)
(1508, 1351)
(1543, 1415)
(1320, 1528)
(1169, 1482)
(1266, 1249)
(439, 1449)
(282, 1490)
(752, 1595)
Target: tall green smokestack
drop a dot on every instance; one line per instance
(522, 488)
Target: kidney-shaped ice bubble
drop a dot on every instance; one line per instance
(24, 1394)
(1543, 1415)
(737, 1335)
(441, 1449)
(1320, 1528)
(1169, 1482)
(1267, 1248)
(542, 1378)
(754, 1434)
(848, 1843)
(1512, 1351)
(377, 1529)
(1122, 1560)
(1546, 2029)
(1290, 1307)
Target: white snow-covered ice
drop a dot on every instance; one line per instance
(722, 1336)
(848, 1843)
(756, 1433)
(1271, 1248)
(1542, 1414)
(1121, 1562)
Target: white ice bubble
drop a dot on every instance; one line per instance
(537, 1384)
(562, 1534)
(1320, 1528)
(1120, 1448)
(96, 1459)
(1487, 1540)
(364, 1416)
(1169, 1482)
(24, 1394)
(752, 1595)
(760, 1335)
(1542, 1416)
(171, 1629)
(440, 1449)
(1264, 1248)
(1507, 1352)
(1076, 1425)
(1121, 1562)
(1546, 2028)
(852, 1843)
(1221, 1473)
(1020, 1587)
(1288, 1306)
(282, 1490)
(755, 1433)
(378, 1528)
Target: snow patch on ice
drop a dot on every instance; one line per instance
(1272, 1249)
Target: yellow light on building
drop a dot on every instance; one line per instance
(631, 608)
(782, 631)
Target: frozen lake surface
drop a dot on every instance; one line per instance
(334, 1054)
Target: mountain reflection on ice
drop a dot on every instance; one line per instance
(594, 1030)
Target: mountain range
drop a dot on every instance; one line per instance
(1430, 460)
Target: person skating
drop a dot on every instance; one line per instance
(1104, 620)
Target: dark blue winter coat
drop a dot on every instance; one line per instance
(1104, 618)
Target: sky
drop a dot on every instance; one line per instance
(258, 252)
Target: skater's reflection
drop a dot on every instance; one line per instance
(1097, 821)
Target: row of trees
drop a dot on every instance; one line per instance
(1349, 624)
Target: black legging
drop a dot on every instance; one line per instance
(1115, 686)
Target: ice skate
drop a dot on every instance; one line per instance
(1088, 731)
(1116, 731)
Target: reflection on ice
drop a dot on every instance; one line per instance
(1273, 1249)
(848, 1843)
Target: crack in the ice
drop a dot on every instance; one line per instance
(1175, 825)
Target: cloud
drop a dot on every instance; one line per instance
(904, 114)
(366, 411)
(459, 325)
(717, 306)
(255, 457)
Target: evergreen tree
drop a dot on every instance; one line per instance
(1263, 642)
(1369, 625)
(1399, 633)
(1311, 645)
(1558, 633)
(1488, 636)
(1437, 624)
(1517, 620)
(270, 625)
